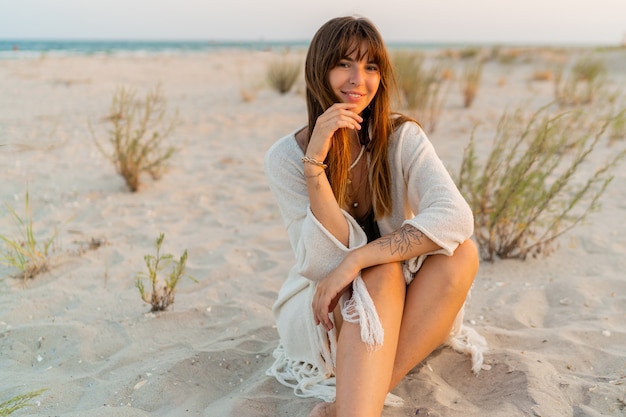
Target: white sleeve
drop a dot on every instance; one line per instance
(442, 213)
(316, 250)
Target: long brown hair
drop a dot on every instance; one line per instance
(335, 40)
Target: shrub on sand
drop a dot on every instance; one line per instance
(138, 137)
(25, 253)
(282, 74)
(421, 86)
(19, 401)
(470, 81)
(162, 295)
(582, 84)
(529, 191)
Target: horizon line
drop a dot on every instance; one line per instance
(390, 42)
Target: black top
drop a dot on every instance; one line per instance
(369, 226)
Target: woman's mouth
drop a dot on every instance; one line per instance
(353, 96)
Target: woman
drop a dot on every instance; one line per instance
(379, 231)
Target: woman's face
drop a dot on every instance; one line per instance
(355, 81)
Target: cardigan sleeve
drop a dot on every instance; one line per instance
(442, 213)
(316, 250)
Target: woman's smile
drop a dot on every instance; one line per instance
(355, 79)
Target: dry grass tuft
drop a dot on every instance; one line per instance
(283, 73)
(138, 136)
(421, 85)
(25, 253)
(582, 84)
(470, 81)
(162, 295)
(529, 191)
(542, 75)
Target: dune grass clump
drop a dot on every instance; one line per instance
(162, 295)
(530, 191)
(470, 52)
(470, 81)
(137, 141)
(421, 86)
(583, 82)
(26, 253)
(282, 74)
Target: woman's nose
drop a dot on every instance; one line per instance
(356, 78)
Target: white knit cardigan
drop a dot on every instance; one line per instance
(423, 195)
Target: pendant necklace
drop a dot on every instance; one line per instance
(358, 158)
(356, 161)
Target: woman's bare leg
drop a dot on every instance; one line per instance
(433, 301)
(363, 377)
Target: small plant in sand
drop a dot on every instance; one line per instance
(582, 84)
(19, 401)
(470, 81)
(162, 295)
(25, 253)
(421, 86)
(507, 56)
(530, 191)
(137, 140)
(283, 73)
(470, 52)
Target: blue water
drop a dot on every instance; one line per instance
(16, 48)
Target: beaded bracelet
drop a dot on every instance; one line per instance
(314, 162)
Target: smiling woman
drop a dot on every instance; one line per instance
(379, 231)
(355, 79)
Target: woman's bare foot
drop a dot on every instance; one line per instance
(323, 410)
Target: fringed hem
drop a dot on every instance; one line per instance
(360, 309)
(307, 381)
(468, 341)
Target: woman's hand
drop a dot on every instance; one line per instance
(330, 289)
(337, 116)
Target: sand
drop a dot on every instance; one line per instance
(556, 325)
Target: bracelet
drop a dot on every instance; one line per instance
(315, 175)
(314, 162)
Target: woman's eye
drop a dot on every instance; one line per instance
(372, 68)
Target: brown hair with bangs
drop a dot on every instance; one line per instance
(334, 41)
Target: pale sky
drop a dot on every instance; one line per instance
(492, 21)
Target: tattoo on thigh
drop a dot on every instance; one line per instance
(402, 240)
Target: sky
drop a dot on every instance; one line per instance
(457, 21)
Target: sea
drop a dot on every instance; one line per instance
(29, 48)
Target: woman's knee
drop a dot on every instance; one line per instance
(457, 271)
(463, 265)
(468, 257)
(384, 277)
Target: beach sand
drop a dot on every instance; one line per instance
(556, 325)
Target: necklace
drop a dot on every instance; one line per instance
(362, 178)
(358, 158)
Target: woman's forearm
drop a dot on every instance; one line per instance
(324, 206)
(405, 243)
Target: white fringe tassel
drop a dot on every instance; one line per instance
(360, 309)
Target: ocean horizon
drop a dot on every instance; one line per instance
(24, 48)
(35, 48)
